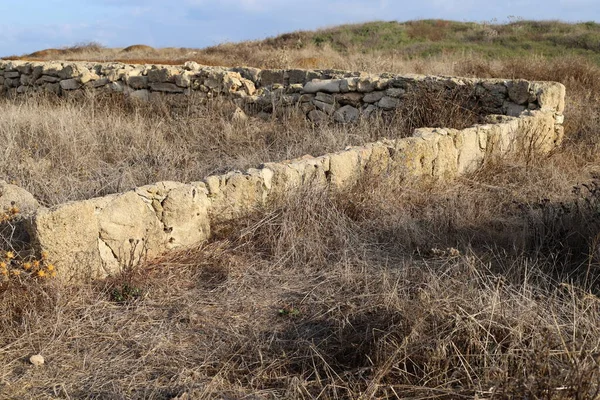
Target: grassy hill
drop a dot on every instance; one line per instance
(431, 37)
(404, 40)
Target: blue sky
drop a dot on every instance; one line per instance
(32, 25)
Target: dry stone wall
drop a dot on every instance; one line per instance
(321, 94)
(96, 237)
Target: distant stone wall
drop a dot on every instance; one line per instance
(321, 94)
(96, 237)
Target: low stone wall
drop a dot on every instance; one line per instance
(321, 94)
(96, 237)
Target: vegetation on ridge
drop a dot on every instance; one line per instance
(403, 40)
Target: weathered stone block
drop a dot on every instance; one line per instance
(346, 114)
(166, 87)
(269, 77)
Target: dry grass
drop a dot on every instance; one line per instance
(73, 149)
(487, 286)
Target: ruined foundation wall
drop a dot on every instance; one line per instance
(96, 237)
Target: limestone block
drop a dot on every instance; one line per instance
(12, 75)
(130, 228)
(512, 109)
(248, 86)
(70, 71)
(518, 91)
(165, 87)
(343, 168)
(373, 97)
(346, 114)
(52, 69)
(68, 233)
(379, 159)
(445, 163)
(351, 99)
(183, 80)
(325, 98)
(366, 84)
(269, 77)
(69, 84)
(238, 194)
(395, 92)
(232, 82)
(327, 86)
(291, 174)
(536, 133)
(296, 76)
(550, 95)
(100, 82)
(25, 80)
(14, 196)
(324, 107)
(388, 103)
(162, 74)
(138, 82)
(192, 66)
(52, 88)
(414, 156)
(46, 79)
(185, 216)
(470, 154)
(24, 69)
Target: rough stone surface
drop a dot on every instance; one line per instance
(328, 86)
(518, 91)
(346, 114)
(388, 103)
(14, 196)
(130, 228)
(69, 84)
(37, 360)
(373, 97)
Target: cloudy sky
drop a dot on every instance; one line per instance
(32, 25)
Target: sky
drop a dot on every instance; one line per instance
(27, 26)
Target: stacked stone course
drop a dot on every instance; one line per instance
(95, 237)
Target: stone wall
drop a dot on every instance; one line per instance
(344, 96)
(96, 237)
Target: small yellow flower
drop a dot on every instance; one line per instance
(41, 273)
(36, 263)
(50, 267)
(14, 210)
(26, 266)
(3, 272)
(10, 255)
(53, 274)
(2, 265)
(44, 255)
(16, 272)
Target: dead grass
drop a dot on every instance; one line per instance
(315, 299)
(72, 149)
(485, 287)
